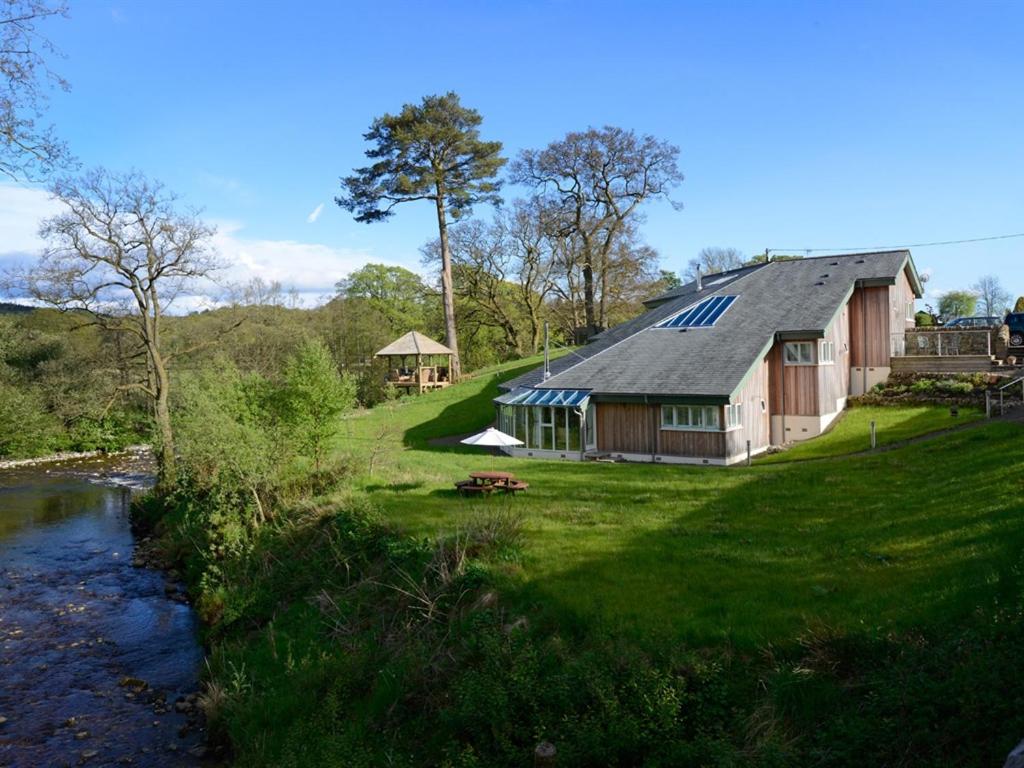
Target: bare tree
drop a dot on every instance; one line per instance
(994, 299)
(712, 260)
(118, 254)
(597, 180)
(26, 149)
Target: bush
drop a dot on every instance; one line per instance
(26, 428)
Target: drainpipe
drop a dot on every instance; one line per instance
(654, 432)
(782, 365)
(547, 356)
(583, 431)
(864, 337)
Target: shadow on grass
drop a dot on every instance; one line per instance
(396, 487)
(898, 540)
(463, 414)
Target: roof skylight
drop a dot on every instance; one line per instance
(701, 315)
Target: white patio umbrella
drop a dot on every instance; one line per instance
(491, 438)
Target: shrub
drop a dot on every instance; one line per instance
(26, 428)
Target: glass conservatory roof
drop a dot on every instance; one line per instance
(567, 398)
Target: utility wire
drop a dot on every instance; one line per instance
(896, 247)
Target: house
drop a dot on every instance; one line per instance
(767, 353)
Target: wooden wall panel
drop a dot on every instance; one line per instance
(636, 428)
(870, 311)
(626, 427)
(834, 379)
(709, 445)
(756, 423)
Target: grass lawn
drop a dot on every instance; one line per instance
(851, 432)
(919, 534)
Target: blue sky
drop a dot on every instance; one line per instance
(801, 125)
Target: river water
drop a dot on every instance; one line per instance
(99, 657)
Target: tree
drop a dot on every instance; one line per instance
(994, 299)
(595, 182)
(26, 149)
(504, 273)
(953, 304)
(428, 151)
(668, 280)
(316, 395)
(1019, 305)
(397, 293)
(712, 260)
(118, 255)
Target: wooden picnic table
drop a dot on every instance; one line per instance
(485, 483)
(492, 476)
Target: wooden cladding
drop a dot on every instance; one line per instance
(755, 426)
(869, 327)
(834, 378)
(636, 428)
(797, 383)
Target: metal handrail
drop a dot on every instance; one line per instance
(1002, 404)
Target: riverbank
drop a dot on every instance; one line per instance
(65, 456)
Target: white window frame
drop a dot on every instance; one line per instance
(826, 352)
(800, 347)
(734, 416)
(690, 418)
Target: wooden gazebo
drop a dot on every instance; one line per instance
(426, 354)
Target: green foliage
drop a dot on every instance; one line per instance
(923, 319)
(315, 396)
(428, 151)
(26, 429)
(1019, 304)
(58, 380)
(953, 304)
(395, 292)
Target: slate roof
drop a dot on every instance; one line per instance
(414, 343)
(798, 297)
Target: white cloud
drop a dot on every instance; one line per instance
(21, 211)
(311, 219)
(310, 268)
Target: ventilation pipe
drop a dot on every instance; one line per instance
(547, 356)
(700, 282)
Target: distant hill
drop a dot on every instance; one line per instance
(14, 309)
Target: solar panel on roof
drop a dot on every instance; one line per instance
(700, 315)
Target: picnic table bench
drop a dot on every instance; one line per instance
(486, 483)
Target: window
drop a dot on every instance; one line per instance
(692, 417)
(734, 416)
(799, 353)
(910, 310)
(826, 352)
(700, 315)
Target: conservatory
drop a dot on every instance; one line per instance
(554, 420)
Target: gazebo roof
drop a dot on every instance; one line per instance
(414, 343)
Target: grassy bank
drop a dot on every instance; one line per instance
(863, 610)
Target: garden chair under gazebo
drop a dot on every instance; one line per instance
(417, 362)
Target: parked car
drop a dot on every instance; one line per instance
(1016, 322)
(973, 322)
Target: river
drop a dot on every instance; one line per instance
(99, 655)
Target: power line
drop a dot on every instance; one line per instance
(896, 247)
